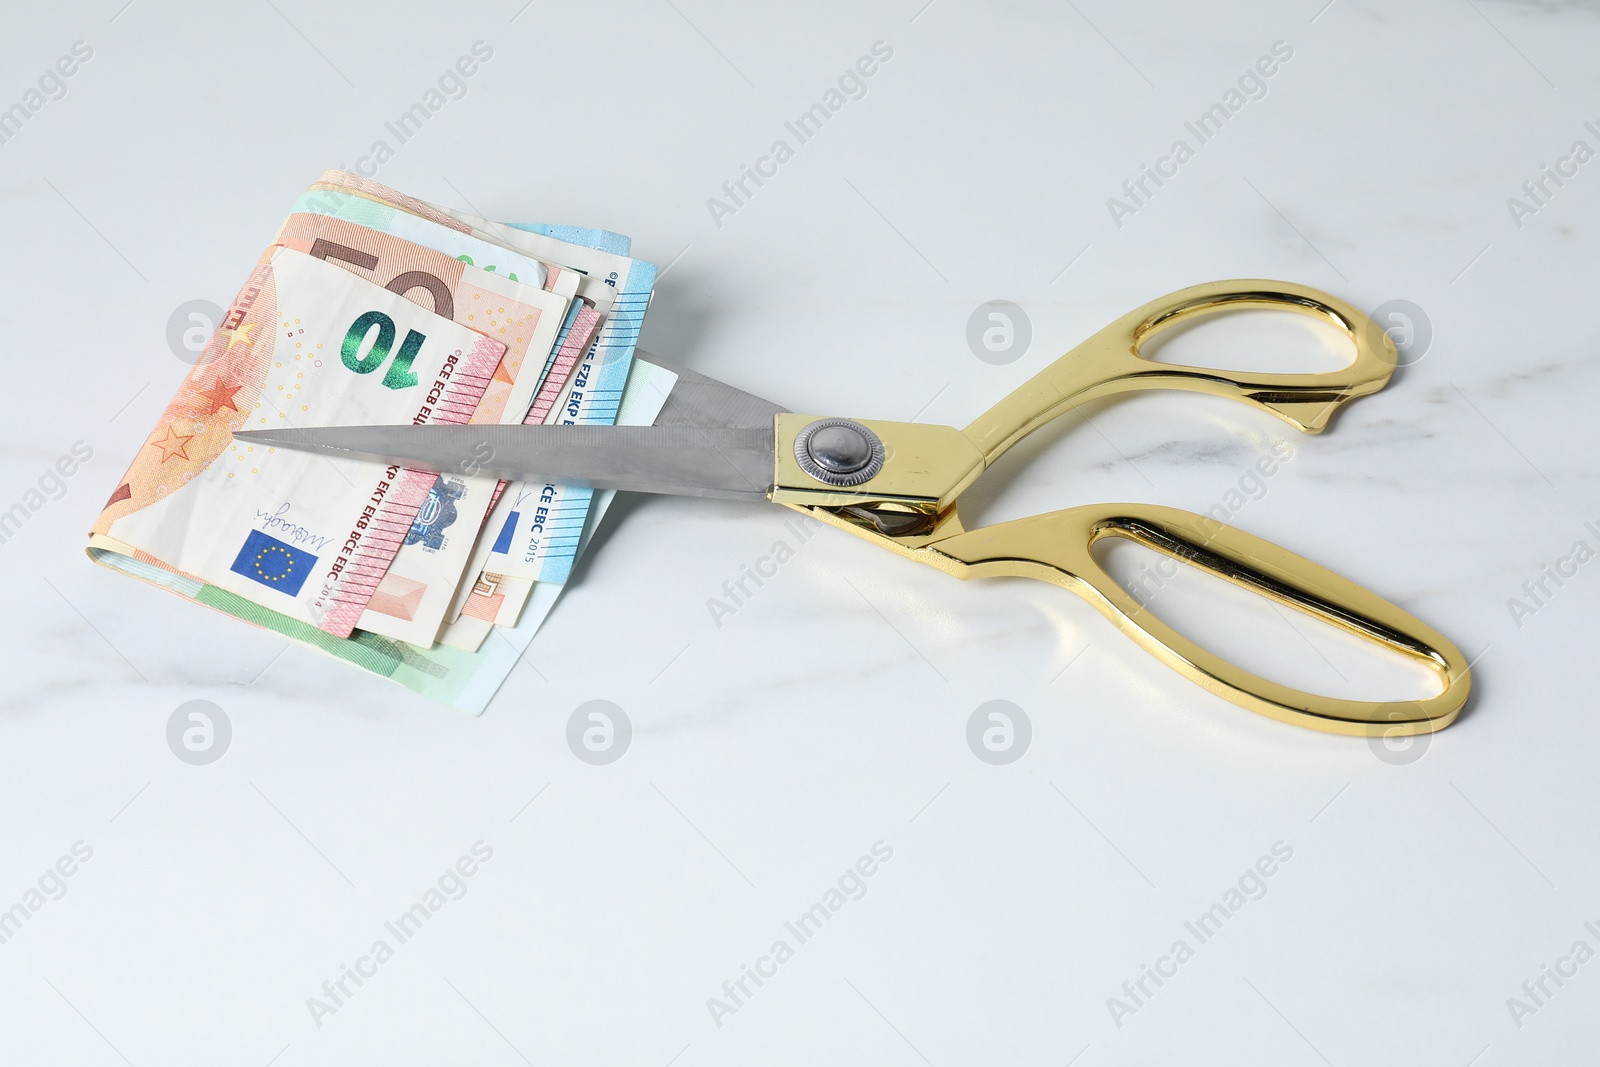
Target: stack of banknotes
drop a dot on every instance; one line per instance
(370, 307)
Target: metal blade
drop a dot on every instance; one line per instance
(682, 460)
(697, 400)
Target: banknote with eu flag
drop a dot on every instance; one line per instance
(266, 560)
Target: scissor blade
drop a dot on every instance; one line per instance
(696, 400)
(732, 462)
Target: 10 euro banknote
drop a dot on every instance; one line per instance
(305, 343)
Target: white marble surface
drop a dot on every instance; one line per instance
(830, 712)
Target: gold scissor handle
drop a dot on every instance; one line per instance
(1057, 547)
(1109, 362)
(930, 466)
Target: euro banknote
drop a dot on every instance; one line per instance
(304, 343)
(492, 598)
(513, 607)
(453, 239)
(415, 593)
(600, 240)
(542, 543)
(451, 287)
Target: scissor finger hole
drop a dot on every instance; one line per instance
(1278, 643)
(1254, 340)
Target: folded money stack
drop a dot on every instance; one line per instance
(370, 307)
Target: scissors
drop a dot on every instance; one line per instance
(897, 483)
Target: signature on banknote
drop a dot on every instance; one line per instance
(279, 520)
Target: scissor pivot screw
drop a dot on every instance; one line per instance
(839, 452)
